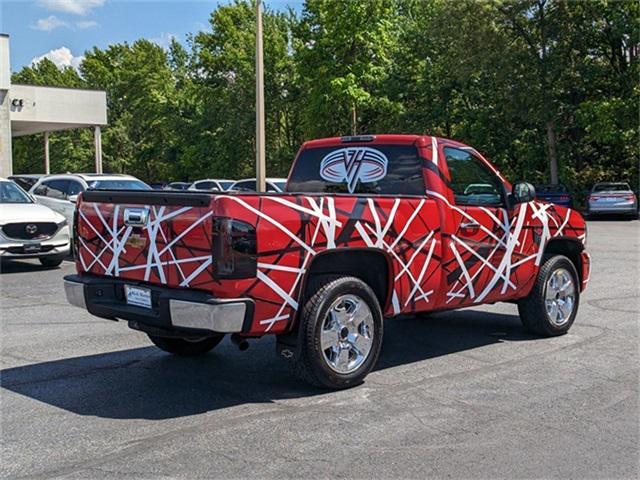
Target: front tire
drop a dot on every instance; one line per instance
(50, 262)
(186, 348)
(341, 328)
(552, 305)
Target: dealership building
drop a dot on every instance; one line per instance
(30, 109)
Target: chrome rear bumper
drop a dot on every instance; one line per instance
(172, 309)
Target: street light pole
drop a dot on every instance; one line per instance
(260, 141)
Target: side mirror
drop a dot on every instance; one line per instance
(72, 198)
(523, 192)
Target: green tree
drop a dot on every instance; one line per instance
(344, 53)
(141, 100)
(224, 62)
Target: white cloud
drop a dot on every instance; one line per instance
(76, 7)
(49, 24)
(164, 40)
(61, 57)
(83, 24)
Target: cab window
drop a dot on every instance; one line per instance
(472, 182)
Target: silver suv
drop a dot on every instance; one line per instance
(60, 192)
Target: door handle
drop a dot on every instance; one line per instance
(470, 225)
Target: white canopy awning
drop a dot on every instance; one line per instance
(36, 109)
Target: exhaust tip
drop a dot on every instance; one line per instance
(240, 342)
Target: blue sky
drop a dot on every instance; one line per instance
(64, 29)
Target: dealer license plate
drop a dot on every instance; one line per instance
(140, 297)
(32, 248)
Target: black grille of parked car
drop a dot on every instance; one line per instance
(29, 230)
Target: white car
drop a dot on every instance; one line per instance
(29, 230)
(60, 192)
(212, 184)
(249, 185)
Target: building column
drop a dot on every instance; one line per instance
(6, 160)
(97, 141)
(47, 163)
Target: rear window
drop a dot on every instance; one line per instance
(611, 187)
(378, 169)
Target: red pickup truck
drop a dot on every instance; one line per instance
(369, 227)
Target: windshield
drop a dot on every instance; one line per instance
(611, 187)
(12, 193)
(118, 185)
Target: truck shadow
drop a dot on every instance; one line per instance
(145, 383)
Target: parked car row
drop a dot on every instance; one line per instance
(37, 224)
(603, 198)
(274, 185)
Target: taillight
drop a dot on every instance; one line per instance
(234, 249)
(74, 233)
(631, 197)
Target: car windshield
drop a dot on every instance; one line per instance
(12, 193)
(118, 185)
(611, 187)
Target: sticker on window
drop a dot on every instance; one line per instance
(354, 165)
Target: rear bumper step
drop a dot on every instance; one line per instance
(173, 311)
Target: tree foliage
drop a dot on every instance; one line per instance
(548, 89)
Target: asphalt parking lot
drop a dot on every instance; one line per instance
(464, 394)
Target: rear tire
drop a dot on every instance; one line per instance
(50, 262)
(186, 348)
(552, 305)
(341, 329)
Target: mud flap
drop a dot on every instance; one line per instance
(288, 346)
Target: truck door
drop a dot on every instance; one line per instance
(475, 266)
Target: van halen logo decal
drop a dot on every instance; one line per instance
(353, 165)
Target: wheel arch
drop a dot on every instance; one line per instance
(570, 247)
(371, 265)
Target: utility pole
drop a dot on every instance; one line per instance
(260, 142)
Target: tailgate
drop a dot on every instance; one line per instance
(163, 238)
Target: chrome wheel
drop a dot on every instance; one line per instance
(347, 333)
(560, 296)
